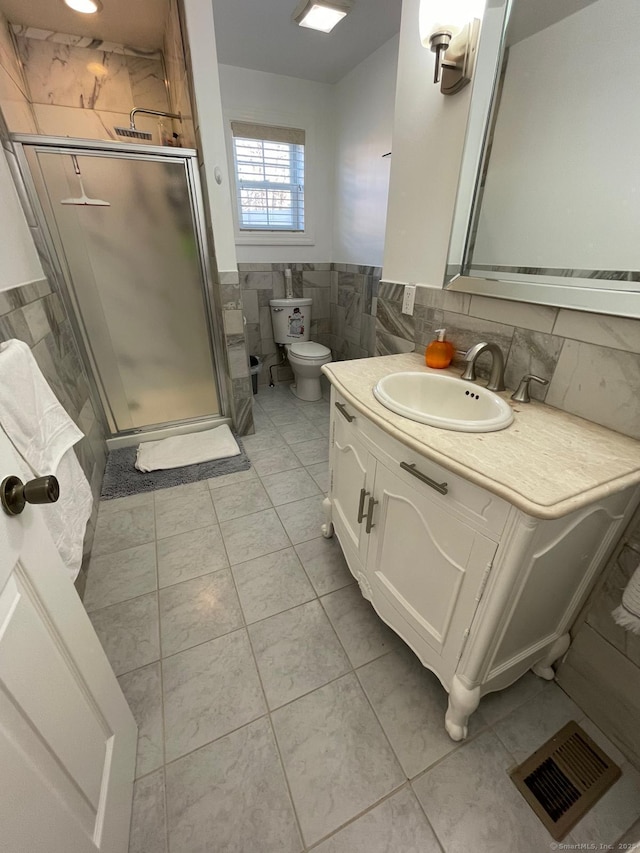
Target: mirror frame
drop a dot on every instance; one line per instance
(560, 288)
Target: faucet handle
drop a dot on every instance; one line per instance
(522, 393)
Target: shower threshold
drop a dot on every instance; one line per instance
(130, 439)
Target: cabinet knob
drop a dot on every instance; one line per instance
(15, 495)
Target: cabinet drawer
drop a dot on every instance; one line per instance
(486, 510)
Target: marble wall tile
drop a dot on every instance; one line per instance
(146, 78)
(19, 116)
(83, 41)
(540, 318)
(250, 306)
(532, 352)
(9, 57)
(599, 384)
(621, 333)
(75, 76)
(320, 300)
(464, 331)
(57, 120)
(389, 318)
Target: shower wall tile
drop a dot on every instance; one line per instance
(85, 91)
(9, 56)
(146, 78)
(14, 93)
(72, 76)
(53, 120)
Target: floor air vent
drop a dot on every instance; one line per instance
(563, 779)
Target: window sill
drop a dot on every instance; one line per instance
(273, 238)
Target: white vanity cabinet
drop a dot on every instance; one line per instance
(480, 590)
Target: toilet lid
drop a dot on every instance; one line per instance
(310, 349)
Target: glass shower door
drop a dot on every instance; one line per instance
(135, 277)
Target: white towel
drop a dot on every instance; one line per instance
(44, 435)
(180, 450)
(628, 614)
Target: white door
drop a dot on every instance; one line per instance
(67, 736)
(427, 566)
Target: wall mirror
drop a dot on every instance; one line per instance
(548, 205)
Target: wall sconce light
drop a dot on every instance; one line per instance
(450, 28)
(321, 15)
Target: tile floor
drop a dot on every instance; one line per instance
(276, 712)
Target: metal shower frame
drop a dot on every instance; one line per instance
(133, 151)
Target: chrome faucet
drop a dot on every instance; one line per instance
(496, 379)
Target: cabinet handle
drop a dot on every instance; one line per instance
(411, 468)
(363, 495)
(370, 524)
(345, 414)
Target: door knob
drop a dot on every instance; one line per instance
(14, 494)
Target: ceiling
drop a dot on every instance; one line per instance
(257, 34)
(260, 34)
(138, 23)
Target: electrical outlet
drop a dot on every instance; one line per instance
(409, 298)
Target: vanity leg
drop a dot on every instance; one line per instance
(544, 668)
(463, 701)
(327, 527)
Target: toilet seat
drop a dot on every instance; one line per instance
(309, 351)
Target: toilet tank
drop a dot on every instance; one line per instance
(291, 320)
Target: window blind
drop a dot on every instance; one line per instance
(269, 170)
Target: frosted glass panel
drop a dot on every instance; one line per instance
(137, 281)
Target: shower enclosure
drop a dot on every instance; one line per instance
(126, 227)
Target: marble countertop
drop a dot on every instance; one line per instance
(548, 463)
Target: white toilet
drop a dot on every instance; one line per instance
(291, 320)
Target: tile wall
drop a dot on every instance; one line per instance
(344, 304)
(84, 87)
(592, 361)
(14, 94)
(36, 315)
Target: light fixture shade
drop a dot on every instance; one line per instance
(321, 15)
(87, 7)
(448, 16)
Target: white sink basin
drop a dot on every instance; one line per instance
(443, 401)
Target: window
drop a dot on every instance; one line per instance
(269, 169)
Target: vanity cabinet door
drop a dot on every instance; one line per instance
(426, 568)
(352, 476)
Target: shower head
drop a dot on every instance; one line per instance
(133, 133)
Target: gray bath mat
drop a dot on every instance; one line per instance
(121, 478)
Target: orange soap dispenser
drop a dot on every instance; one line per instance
(439, 353)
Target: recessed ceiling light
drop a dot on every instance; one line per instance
(87, 7)
(320, 15)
